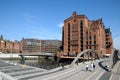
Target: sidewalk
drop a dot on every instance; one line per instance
(76, 73)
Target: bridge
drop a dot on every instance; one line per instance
(13, 71)
(35, 54)
(84, 52)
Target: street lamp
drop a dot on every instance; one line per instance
(40, 46)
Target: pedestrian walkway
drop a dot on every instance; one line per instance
(116, 68)
(115, 77)
(10, 70)
(76, 72)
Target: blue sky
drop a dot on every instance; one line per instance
(42, 19)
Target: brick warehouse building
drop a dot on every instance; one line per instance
(80, 33)
(29, 46)
(40, 46)
(7, 46)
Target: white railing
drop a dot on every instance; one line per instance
(76, 58)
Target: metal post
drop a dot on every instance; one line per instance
(40, 46)
(38, 60)
(88, 55)
(23, 59)
(83, 58)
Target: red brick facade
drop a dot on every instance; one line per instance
(7, 46)
(40, 46)
(29, 46)
(80, 33)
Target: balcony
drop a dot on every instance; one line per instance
(75, 39)
(91, 44)
(74, 44)
(75, 30)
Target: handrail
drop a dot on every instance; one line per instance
(80, 54)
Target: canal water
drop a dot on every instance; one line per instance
(45, 63)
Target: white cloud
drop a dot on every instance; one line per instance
(60, 25)
(116, 42)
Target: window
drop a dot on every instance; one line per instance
(90, 47)
(81, 41)
(86, 37)
(68, 36)
(86, 33)
(86, 42)
(90, 33)
(86, 47)
(29, 43)
(94, 42)
(81, 27)
(81, 34)
(94, 37)
(74, 20)
(94, 47)
(81, 22)
(90, 37)
(68, 25)
(5, 44)
(90, 42)
(81, 49)
(81, 45)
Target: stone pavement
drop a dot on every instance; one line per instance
(77, 72)
(12, 70)
(116, 68)
(116, 72)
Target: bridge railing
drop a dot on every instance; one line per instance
(80, 54)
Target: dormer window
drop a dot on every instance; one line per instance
(74, 20)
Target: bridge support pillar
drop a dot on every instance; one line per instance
(38, 60)
(93, 57)
(22, 59)
(83, 58)
(88, 55)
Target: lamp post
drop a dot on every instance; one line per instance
(40, 46)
